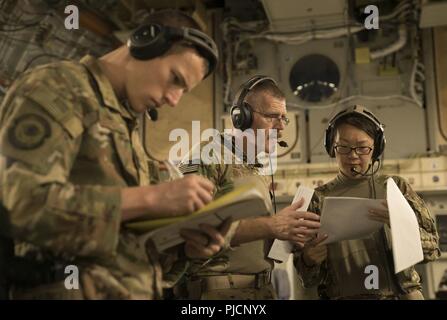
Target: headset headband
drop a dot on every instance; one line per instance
(247, 86)
(379, 140)
(151, 40)
(358, 109)
(241, 112)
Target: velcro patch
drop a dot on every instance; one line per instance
(29, 132)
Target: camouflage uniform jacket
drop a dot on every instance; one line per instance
(342, 275)
(247, 258)
(68, 146)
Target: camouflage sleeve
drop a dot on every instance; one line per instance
(220, 175)
(309, 276)
(174, 264)
(40, 134)
(429, 234)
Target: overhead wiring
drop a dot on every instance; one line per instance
(236, 33)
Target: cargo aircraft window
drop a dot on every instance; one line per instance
(314, 78)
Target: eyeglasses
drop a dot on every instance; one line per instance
(272, 117)
(361, 151)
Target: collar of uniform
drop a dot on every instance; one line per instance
(343, 179)
(105, 87)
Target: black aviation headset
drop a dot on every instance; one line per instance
(153, 40)
(379, 140)
(241, 112)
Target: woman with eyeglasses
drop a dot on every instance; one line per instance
(355, 138)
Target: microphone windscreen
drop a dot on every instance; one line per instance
(283, 144)
(153, 114)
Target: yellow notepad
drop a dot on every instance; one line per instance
(247, 200)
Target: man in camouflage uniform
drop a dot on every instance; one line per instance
(244, 270)
(72, 170)
(339, 268)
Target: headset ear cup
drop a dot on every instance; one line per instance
(236, 117)
(148, 41)
(248, 116)
(241, 116)
(328, 141)
(379, 146)
(332, 152)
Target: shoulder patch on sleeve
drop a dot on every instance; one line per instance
(52, 92)
(29, 131)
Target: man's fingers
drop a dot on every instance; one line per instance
(299, 239)
(302, 237)
(308, 224)
(305, 232)
(306, 239)
(212, 233)
(305, 224)
(205, 196)
(206, 242)
(198, 203)
(307, 215)
(215, 248)
(204, 250)
(205, 183)
(298, 204)
(199, 250)
(194, 236)
(299, 244)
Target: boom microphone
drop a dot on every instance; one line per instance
(355, 172)
(153, 114)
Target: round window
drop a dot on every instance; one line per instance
(314, 78)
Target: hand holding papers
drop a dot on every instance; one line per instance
(247, 200)
(346, 218)
(281, 250)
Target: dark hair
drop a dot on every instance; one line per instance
(358, 121)
(178, 19)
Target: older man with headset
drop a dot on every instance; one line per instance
(244, 271)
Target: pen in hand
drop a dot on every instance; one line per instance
(173, 170)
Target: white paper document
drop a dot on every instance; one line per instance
(405, 235)
(281, 250)
(346, 218)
